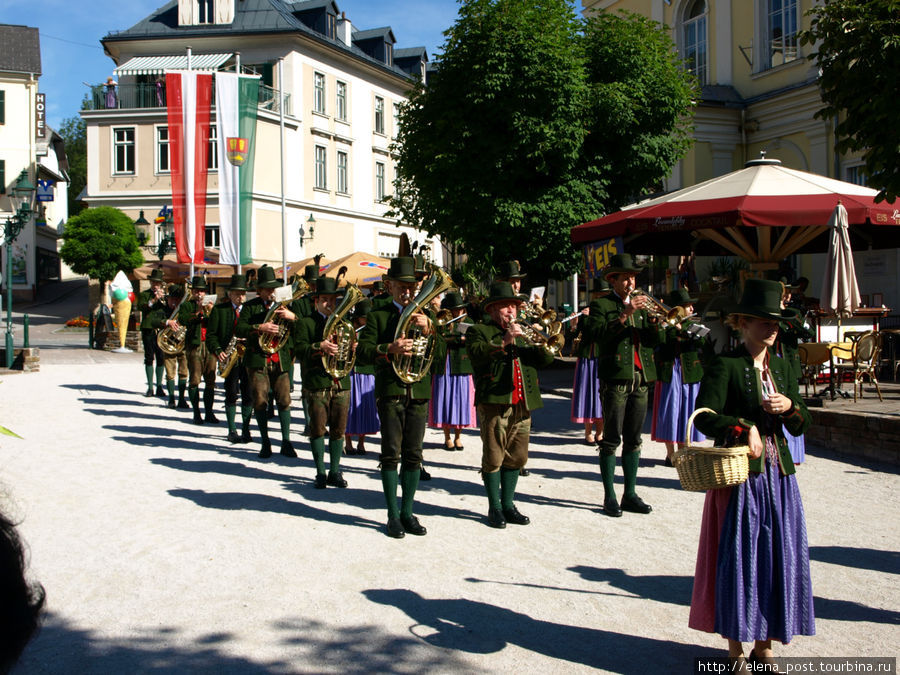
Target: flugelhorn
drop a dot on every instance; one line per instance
(670, 316)
(552, 341)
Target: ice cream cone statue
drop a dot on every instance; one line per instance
(122, 295)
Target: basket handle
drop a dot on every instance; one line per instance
(690, 423)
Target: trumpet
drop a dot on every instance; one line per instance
(552, 340)
(531, 314)
(670, 316)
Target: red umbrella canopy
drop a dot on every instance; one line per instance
(737, 212)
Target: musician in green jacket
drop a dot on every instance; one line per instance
(327, 399)
(175, 363)
(268, 371)
(626, 335)
(402, 407)
(149, 301)
(506, 391)
(194, 316)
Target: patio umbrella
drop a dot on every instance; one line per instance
(175, 272)
(840, 292)
(762, 213)
(363, 269)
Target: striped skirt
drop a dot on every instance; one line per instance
(363, 416)
(586, 391)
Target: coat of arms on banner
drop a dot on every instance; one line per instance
(236, 150)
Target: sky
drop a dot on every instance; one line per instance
(71, 54)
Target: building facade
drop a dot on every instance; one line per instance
(341, 90)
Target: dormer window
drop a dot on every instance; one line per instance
(389, 53)
(207, 11)
(330, 25)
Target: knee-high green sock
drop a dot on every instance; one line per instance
(209, 396)
(230, 414)
(318, 453)
(508, 480)
(630, 463)
(148, 371)
(170, 387)
(160, 371)
(246, 414)
(335, 450)
(194, 395)
(262, 421)
(492, 487)
(284, 417)
(409, 481)
(608, 471)
(389, 481)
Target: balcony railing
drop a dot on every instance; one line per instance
(148, 95)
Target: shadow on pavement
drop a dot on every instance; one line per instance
(847, 610)
(674, 590)
(887, 562)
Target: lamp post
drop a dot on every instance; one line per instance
(311, 229)
(20, 199)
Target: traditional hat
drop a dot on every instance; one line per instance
(362, 308)
(679, 296)
(175, 290)
(198, 283)
(238, 282)
(110, 80)
(402, 269)
(156, 275)
(762, 299)
(509, 269)
(421, 270)
(265, 278)
(453, 300)
(600, 286)
(501, 291)
(378, 287)
(311, 272)
(621, 263)
(326, 286)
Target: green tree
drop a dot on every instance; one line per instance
(99, 242)
(74, 133)
(521, 133)
(857, 46)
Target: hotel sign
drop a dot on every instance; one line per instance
(40, 112)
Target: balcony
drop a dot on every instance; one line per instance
(148, 95)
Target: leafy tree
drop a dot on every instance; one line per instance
(74, 133)
(99, 242)
(858, 54)
(521, 133)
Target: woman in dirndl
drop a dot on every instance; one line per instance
(752, 579)
(452, 404)
(586, 408)
(678, 372)
(362, 418)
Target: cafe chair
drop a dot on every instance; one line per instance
(866, 354)
(809, 372)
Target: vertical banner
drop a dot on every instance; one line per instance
(237, 99)
(596, 256)
(189, 94)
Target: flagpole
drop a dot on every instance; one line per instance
(237, 68)
(191, 274)
(281, 150)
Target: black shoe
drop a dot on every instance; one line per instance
(395, 528)
(212, 419)
(668, 461)
(245, 436)
(287, 449)
(171, 404)
(183, 405)
(524, 472)
(321, 481)
(513, 516)
(496, 519)
(266, 450)
(234, 437)
(611, 507)
(337, 480)
(159, 391)
(149, 391)
(197, 418)
(635, 504)
(423, 474)
(412, 525)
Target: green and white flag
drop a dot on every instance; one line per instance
(237, 98)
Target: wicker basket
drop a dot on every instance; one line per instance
(702, 468)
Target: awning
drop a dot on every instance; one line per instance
(157, 65)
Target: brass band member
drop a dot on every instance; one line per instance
(148, 301)
(268, 371)
(222, 323)
(172, 362)
(193, 315)
(327, 399)
(506, 391)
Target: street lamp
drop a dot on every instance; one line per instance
(142, 230)
(311, 224)
(21, 201)
(166, 236)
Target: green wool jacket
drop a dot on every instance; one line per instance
(493, 365)
(460, 363)
(731, 386)
(615, 341)
(381, 324)
(678, 344)
(303, 307)
(307, 348)
(221, 326)
(790, 333)
(193, 322)
(252, 315)
(147, 303)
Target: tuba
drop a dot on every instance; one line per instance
(338, 329)
(171, 340)
(411, 368)
(270, 344)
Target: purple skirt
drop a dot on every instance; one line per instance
(797, 446)
(363, 415)
(752, 580)
(452, 400)
(673, 403)
(586, 391)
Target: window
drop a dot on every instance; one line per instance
(341, 101)
(212, 150)
(330, 22)
(207, 11)
(162, 150)
(396, 129)
(379, 181)
(857, 175)
(211, 238)
(388, 53)
(343, 185)
(124, 150)
(781, 25)
(2, 176)
(2, 106)
(379, 115)
(694, 40)
(321, 168)
(319, 93)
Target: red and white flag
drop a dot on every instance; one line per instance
(188, 94)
